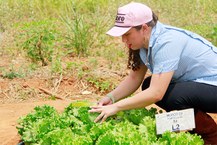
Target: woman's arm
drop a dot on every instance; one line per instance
(129, 85)
(155, 92)
(158, 86)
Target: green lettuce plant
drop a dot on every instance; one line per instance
(75, 126)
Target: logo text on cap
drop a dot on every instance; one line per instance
(120, 18)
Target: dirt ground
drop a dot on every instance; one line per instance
(11, 112)
(14, 100)
(18, 97)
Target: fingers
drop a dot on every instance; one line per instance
(100, 109)
(95, 109)
(100, 104)
(104, 101)
(104, 118)
(101, 117)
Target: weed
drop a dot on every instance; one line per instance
(38, 41)
(57, 66)
(33, 66)
(51, 97)
(78, 37)
(93, 62)
(72, 65)
(12, 73)
(101, 85)
(80, 74)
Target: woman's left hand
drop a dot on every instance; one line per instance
(105, 111)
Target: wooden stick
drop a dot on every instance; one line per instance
(50, 93)
(5, 95)
(57, 84)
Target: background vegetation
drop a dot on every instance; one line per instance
(67, 37)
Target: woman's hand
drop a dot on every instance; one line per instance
(105, 112)
(104, 101)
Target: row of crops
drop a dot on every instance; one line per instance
(75, 126)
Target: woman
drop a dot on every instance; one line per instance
(182, 63)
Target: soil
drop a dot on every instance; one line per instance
(11, 112)
(18, 97)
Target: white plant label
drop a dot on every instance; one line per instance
(175, 121)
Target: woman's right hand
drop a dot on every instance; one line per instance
(105, 101)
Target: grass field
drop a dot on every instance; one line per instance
(67, 38)
(53, 49)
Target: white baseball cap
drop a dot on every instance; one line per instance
(128, 16)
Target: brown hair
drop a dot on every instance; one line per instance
(134, 58)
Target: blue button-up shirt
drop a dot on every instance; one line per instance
(190, 56)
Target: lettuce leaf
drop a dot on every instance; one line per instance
(75, 126)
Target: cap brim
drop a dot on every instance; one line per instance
(117, 31)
